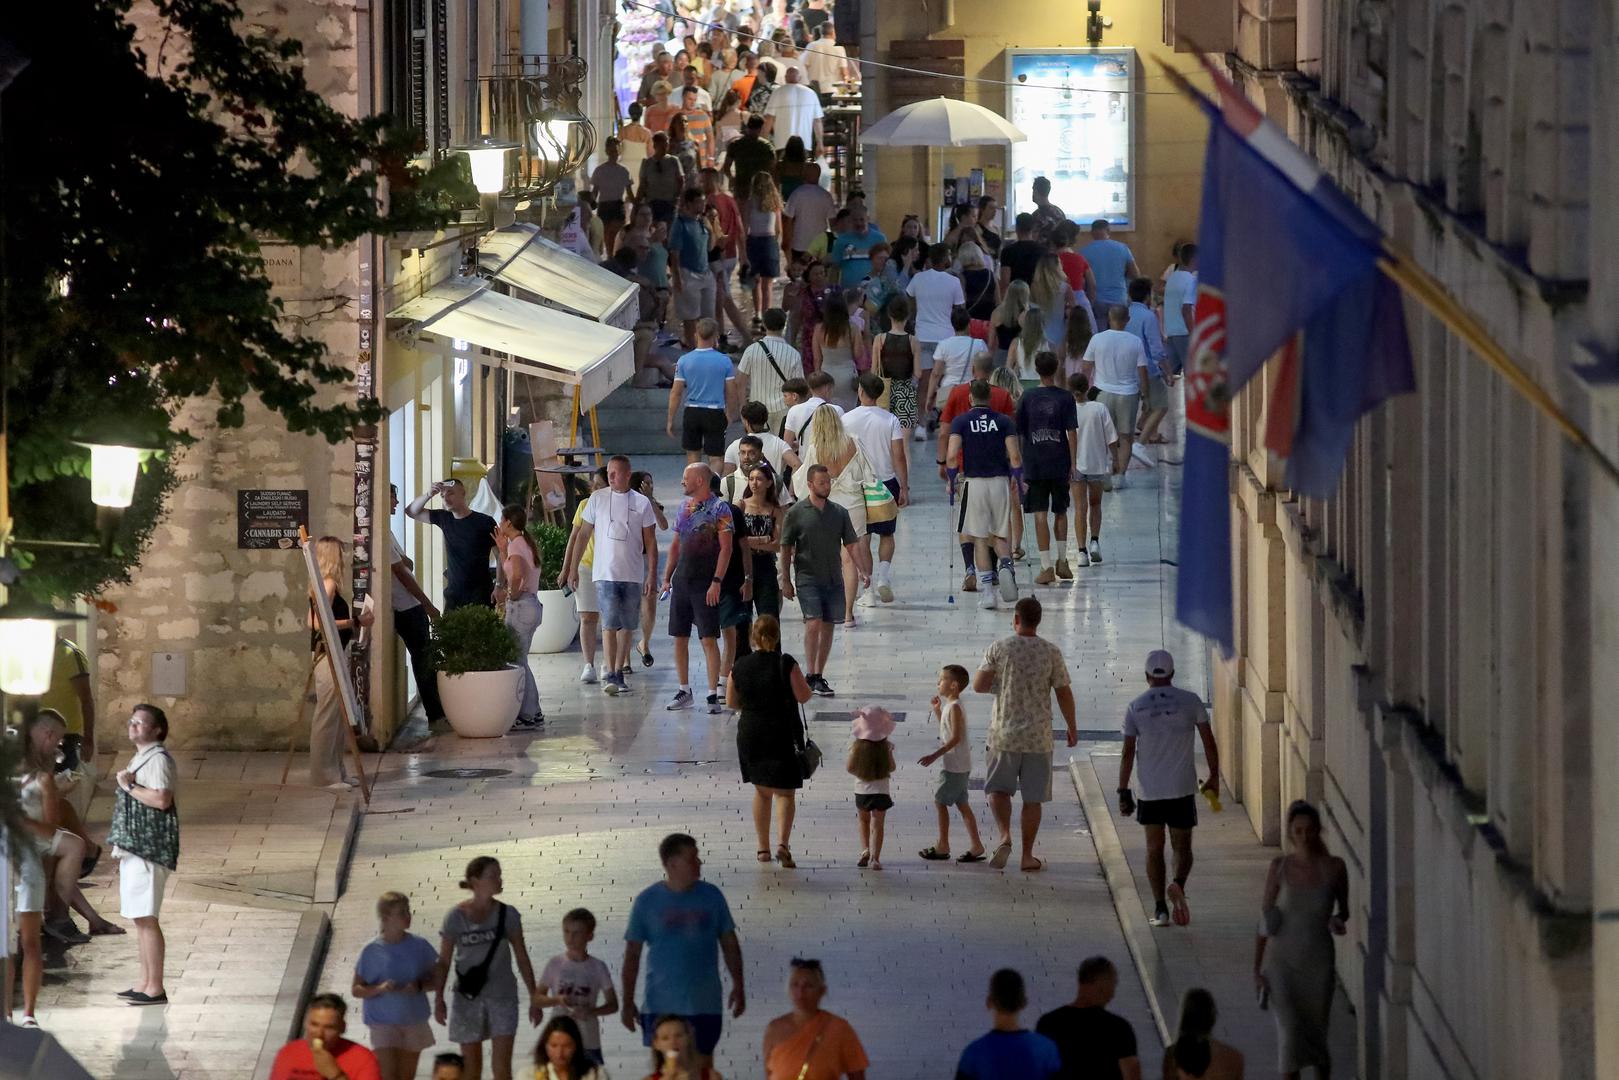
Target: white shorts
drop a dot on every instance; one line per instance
(140, 887)
(30, 887)
(696, 299)
(584, 597)
(986, 507)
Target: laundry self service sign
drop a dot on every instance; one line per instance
(269, 518)
(1076, 108)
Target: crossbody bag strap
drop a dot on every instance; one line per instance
(809, 1056)
(764, 344)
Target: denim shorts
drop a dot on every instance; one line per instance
(619, 603)
(819, 599)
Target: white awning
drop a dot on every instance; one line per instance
(518, 255)
(541, 341)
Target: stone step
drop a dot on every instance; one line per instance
(632, 422)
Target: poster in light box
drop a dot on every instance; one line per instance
(1076, 109)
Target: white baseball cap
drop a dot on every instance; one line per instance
(1160, 664)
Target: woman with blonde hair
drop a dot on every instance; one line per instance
(978, 283)
(1007, 318)
(326, 743)
(828, 443)
(1031, 339)
(768, 686)
(1050, 290)
(762, 251)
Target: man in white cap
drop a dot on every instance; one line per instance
(1158, 728)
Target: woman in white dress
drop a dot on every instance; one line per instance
(828, 443)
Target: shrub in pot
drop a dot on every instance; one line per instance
(479, 680)
(559, 618)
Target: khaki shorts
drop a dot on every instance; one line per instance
(1123, 408)
(986, 507)
(416, 1037)
(695, 300)
(1010, 772)
(584, 598)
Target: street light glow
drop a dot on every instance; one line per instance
(113, 471)
(27, 651)
(487, 158)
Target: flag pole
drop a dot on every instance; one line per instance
(1426, 290)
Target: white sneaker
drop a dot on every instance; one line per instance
(1083, 558)
(986, 599)
(1008, 584)
(921, 434)
(588, 675)
(1095, 552)
(1118, 482)
(885, 592)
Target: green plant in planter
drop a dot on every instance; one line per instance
(552, 540)
(471, 638)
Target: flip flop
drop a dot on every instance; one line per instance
(971, 858)
(1039, 865)
(646, 658)
(998, 860)
(933, 854)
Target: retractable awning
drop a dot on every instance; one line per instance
(540, 341)
(518, 255)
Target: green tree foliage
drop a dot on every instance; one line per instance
(138, 185)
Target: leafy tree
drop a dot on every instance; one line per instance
(137, 189)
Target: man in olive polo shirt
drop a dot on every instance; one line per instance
(813, 538)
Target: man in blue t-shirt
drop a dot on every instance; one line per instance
(1046, 423)
(1112, 264)
(680, 921)
(988, 440)
(1010, 1051)
(705, 379)
(852, 250)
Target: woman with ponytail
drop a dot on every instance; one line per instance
(518, 588)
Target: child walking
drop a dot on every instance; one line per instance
(1095, 438)
(573, 979)
(392, 978)
(956, 759)
(871, 763)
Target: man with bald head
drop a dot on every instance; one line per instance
(794, 109)
(698, 557)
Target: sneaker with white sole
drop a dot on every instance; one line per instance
(987, 600)
(682, 700)
(1083, 558)
(1118, 482)
(1008, 582)
(1046, 576)
(610, 684)
(885, 592)
(921, 434)
(1065, 572)
(1096, 551)
(588, 675)
(714, 705)
(1160, 917)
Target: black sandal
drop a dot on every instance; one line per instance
(646, 658)
(933, 854)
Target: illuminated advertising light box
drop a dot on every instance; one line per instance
(1076, 109)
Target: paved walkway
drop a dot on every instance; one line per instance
(232, 919)
(577, 815)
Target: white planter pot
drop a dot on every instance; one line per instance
(482, 704)
(559, 622)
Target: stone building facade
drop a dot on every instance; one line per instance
(1426, 655)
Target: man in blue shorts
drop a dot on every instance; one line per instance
(626, 563)
(814, 536)
(680, 921)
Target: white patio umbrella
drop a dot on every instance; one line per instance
(942, 122)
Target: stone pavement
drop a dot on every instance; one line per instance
(577, 812)
(233, 919)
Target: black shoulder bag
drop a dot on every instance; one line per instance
(470, 983)
(809, 755)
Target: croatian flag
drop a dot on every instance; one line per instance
(1288, 267)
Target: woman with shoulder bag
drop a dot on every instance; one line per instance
(829, 444)
(477, 943)
(769, 688)
(810, 1043)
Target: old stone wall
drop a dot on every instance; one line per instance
(235, 618)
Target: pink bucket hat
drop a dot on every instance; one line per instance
(873, 722)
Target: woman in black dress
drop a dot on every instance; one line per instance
(768, 687)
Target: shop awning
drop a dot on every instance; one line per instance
(518, 255)
(540, 341)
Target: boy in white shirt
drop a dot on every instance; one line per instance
(1095, 437)
(952, 360)
(573, 979)
(956, 757)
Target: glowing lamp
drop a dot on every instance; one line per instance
(115, 464)
(28, 646)
(487, 159)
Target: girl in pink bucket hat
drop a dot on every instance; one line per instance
(871, 763)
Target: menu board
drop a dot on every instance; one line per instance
(270, 518)
(1075, 107)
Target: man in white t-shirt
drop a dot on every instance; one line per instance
(807, 212)
(935, 293)
(413, 611)
(1116, 364)
(1180, 300)
(773, 449)
(766, 366)
(624, 564)
(803, 398)
(1094, 439)
(826, 61)
(794, 109)
(1158, 729)
(952, 360)
(881, 438)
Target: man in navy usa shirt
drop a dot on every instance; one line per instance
(984, 449)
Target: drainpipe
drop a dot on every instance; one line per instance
(536, 27)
